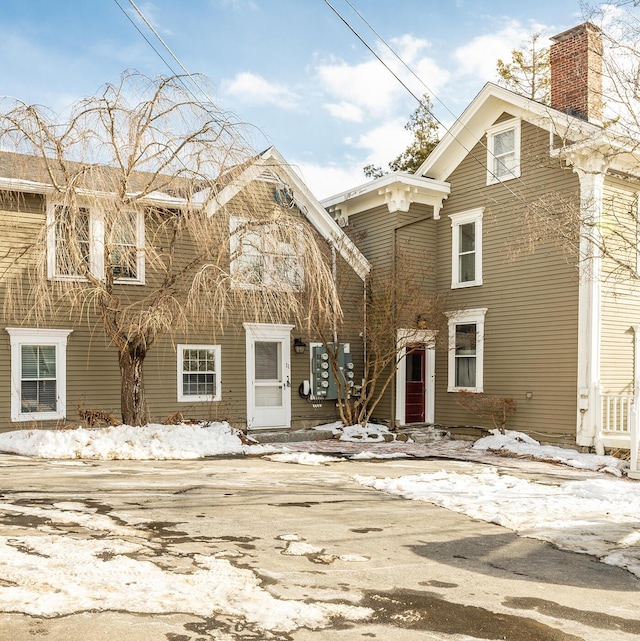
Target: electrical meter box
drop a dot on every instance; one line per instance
(323, 380)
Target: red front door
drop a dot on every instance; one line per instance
(414, 411)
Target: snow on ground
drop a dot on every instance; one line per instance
(597, 516)
(161, 442)
(54, 573)
(523, 445)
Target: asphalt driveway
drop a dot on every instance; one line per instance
(247, 548)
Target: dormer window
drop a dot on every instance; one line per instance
(503, 151)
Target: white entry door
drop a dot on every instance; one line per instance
(268, 375)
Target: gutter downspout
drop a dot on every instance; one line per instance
(394, 401)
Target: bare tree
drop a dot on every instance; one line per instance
(135, 179)
(395, 299)
(528, 72)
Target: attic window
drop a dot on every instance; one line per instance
(503, 151)
(263, 257)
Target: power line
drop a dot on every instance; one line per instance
(404, 84)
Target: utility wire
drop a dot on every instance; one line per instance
(404, 84)
(137, 28)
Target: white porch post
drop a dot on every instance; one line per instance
(591, 173)
(634, 437)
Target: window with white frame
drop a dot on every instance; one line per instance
(636, 215)
(126, 255)
(199, 373)
(76, 244)
(466, 350)
(466, 248)
(503, 151)
(261, 257)
(38, 373)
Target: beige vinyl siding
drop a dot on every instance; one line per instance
(409, 236)
(620, 289)
(93, 378)
(531, 323)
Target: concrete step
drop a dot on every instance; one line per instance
(290, 436)
(425, 432)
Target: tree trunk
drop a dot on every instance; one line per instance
(133, 401)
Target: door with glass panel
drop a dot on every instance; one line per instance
(415, 361)
(268, 376)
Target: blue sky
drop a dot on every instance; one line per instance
(289, 67)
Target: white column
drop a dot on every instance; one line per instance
(591, 172)
(634, 437)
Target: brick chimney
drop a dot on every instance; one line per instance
(576, 72)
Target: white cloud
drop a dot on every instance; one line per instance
(372, 88)
(408, 47)
(367, 86)
(384, 142)
(479, 56)
(381, 145)
(345, 111)
(251, 87)
(328, 180)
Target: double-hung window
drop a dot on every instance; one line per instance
(466, 248)
(77, 243)
(503, 151)
(199, 373)
(261, 256)
(38, 373)
(466, 350)
(126, 247)
(71, 242)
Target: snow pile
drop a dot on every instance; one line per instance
(592, 516)
(304, 458)
(372, 433)
(523, 445)
(157, 442)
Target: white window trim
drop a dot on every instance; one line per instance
(466, 317)
(200, 398)
(234, 223)
(515, 124)
(636, 213)
(462, 218)
(49, 337)
(140, 261)
(96, 244)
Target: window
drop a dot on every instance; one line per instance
(466, 350)
(466, 249)
(76, 244)
(38, 373)
(503, 151)
(199, 373)
(126, 257)
(262, 257)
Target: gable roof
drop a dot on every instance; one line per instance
(483, 111)
(270, 165)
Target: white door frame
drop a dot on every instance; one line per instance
(268, 332)
(426, 338)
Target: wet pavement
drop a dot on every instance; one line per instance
(422, 572)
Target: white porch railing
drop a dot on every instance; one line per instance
(616, 413)
(619, 418)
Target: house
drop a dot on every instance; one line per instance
(240, 366)
(530, 318)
